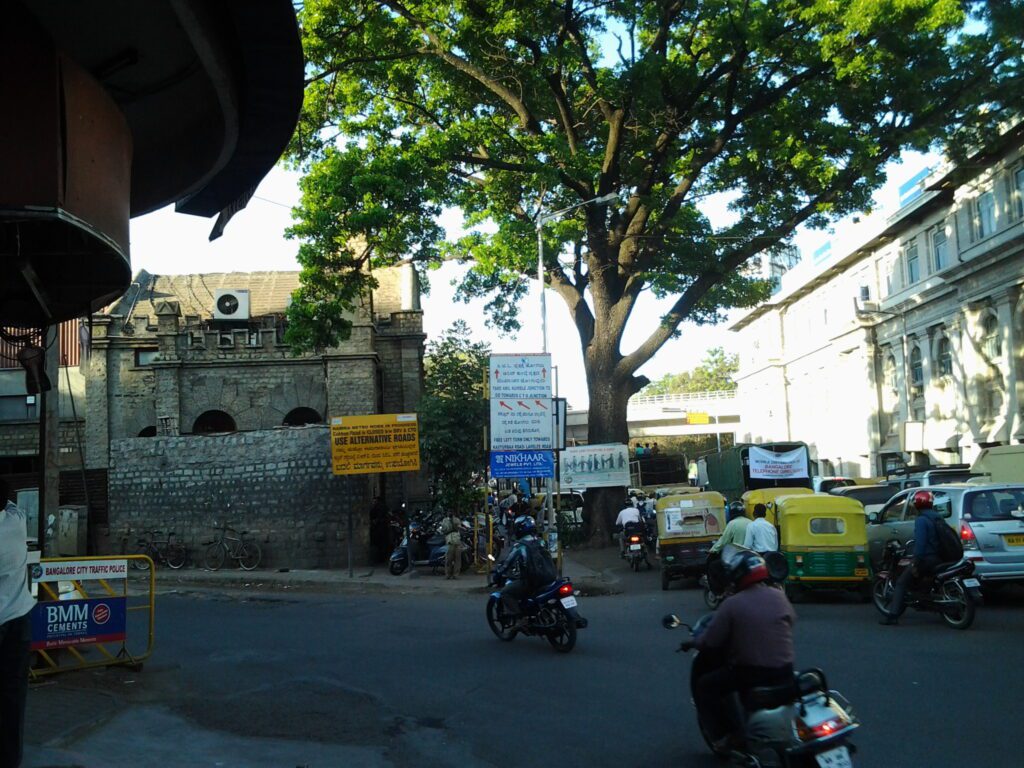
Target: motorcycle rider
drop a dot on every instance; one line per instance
(755, 626)
(516, 566)
(735, 530)
(628, 514)
(926, 559)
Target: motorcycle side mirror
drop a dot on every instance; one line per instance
(671, 621)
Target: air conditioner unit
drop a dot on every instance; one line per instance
(869, 306)
(230, 304)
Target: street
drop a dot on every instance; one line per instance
(376, 680)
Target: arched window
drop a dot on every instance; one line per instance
(890, 375)
(301, 416)
(944, 356)
(213, 421)
(991, 338)
(148, 432)
(916, 368)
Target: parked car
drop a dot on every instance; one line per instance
(960, 473)
(989, 518)
(826, 484)
(873, 497)
(569, 502)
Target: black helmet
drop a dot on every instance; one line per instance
(736, 509)
(743, 567)
(524, 525)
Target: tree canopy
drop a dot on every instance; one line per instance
(715, 374)
(453, 414)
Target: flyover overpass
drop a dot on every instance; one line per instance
(668, 415)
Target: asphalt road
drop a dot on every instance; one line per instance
(313, 679)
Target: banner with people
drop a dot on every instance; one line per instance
(595, 466)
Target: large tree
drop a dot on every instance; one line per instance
(506, 109)
(716, 373)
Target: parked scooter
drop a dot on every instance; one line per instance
(428, 550)
(799, 723)
(952, 592)
(552, 612)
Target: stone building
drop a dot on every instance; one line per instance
(907, 348)
(201, 414)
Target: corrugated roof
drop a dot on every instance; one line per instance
(269, 292)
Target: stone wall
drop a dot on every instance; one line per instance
(276, 484)
(21, 438)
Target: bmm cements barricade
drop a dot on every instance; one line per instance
(81, 618)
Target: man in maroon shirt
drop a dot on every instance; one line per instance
(755, 628)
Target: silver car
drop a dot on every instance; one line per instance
(989, 518)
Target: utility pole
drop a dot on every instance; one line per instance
(49, 435)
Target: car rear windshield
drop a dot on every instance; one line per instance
(1001, 504)
(868, 494)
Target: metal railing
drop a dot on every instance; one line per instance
(684, 397)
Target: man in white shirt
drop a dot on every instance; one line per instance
(761, 535)
(628, 514)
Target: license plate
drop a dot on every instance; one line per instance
(1016, 540)
(568, 602)
(635, 547)
(972, 583)
(860, 571)
(835, 758)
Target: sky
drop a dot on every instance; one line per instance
(165, 242)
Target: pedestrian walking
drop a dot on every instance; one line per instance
(451, 528)
(16, 605)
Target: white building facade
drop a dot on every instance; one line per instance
(907, 348)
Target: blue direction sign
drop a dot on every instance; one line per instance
(516, 464)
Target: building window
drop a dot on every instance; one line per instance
(916, 368)
(149, 431)
(990, 399)
(991, 339)
(944, 357)
(913, 264)
(940, 249)
(299, 417)
(211, 422)
(984, 215)
(1018, 191)
(146, 356)
(891, 394)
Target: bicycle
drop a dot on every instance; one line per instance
(165, 551)
(243, 551)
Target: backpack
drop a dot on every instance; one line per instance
(539, 568)
(951, 549)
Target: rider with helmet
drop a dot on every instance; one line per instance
(735, 530)
(926, 558)
(515, 567)
(755, 627)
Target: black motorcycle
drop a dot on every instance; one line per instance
(951, 591)
(635, 547)
(550, 612)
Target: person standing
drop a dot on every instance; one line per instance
(451, 527)
(761, 535)
(693, 473)
(16, 603)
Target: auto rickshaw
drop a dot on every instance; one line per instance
(824, 539)
(688, 524)
(767, 496)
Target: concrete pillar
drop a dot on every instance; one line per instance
(97, 395)
(1004, 305)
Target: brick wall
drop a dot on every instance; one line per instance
(277, 484)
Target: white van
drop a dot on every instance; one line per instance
(999, 464)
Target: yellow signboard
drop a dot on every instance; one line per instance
(387, 442)
(697, 417)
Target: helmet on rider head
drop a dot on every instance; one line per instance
(524, 525)
(736, 509)
(743, 567)
(923, 500)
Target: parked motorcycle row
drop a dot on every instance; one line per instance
(428, 546)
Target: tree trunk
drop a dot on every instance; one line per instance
(606, 424)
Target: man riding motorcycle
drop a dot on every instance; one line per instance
(926, 558)
(755, 627)
(516, 566)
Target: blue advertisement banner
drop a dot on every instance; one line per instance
(62, 623)
(517, 464)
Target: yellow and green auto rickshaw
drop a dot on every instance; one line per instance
(824, 539)
(767, 496)
(688, 524)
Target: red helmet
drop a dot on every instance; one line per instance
(744, 568)
(923, 500)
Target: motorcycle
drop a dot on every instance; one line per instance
(635, 550)
(800, 723)
(428, 550)
(551, 612)
(951, 591)
(716, 585)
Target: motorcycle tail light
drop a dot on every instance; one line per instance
(820, 730)
(634, 539)
(967, 537)
(565, 589)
